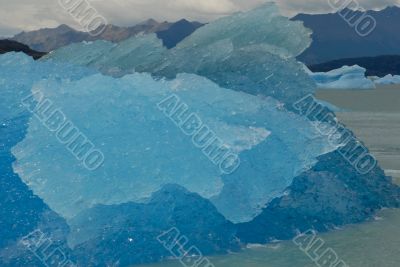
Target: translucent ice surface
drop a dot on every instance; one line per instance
(145, 150)
(19, 72)
(344, 78)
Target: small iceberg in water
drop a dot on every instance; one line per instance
(347, 77)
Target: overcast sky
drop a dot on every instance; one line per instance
(18, 15)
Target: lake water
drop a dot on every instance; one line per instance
(374, 115)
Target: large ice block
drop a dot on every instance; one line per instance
(144, 149)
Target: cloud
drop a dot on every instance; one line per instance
(292, 7)
(207, 6)
(18, 15)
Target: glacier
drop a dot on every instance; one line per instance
(347, 77)
(240, 80)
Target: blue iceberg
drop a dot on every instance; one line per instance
(388, 79)
(203, 138)
(347, 77)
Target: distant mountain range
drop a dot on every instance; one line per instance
(334, 39)
(13, 46)
(46, 40)
(376, 66)
(177, 32)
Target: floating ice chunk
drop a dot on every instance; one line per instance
(344, 78)
(388, 79)
(145, 150)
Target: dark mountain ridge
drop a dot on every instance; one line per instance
(49, 39)
(376, 66)
(333, 38)
(177, 32)
(13, 46)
